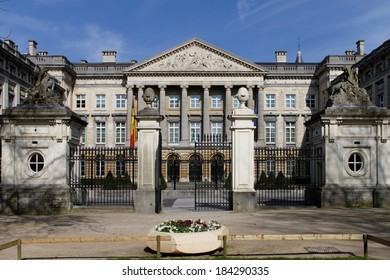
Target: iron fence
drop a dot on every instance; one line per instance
(103, 176)
(288, 176)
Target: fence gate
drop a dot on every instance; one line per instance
(103, 176)
(288, 176)
(212, 168)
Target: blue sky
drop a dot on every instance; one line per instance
(139, 29)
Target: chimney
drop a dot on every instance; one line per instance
(11, 44)
(32, 47)
(360, 47)
(281, 56)
(109, 56)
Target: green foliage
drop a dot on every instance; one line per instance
(229, 182)
(262, 180)
(280, 179)
(271, 179)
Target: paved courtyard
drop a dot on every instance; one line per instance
(122, 222)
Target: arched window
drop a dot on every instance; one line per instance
(217, 167)
(195, 167)
(36, 162)
(173, 163)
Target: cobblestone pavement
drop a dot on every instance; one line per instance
(122, 222)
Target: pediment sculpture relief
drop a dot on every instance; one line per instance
(195, 59)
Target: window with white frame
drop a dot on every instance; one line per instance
(100, 101)
(83, 135)
(270, 101)
(174, 101)
(290, 132)
(290, 101)
(120, 133)
(270, 167)
(80, 100)
(120, 101)
(120, 166)
(100, 167)
(195, 101)
(291, 167)
(195, 130)
(311, 101)
(216, 101)
(270, 132)
(155, 102)
(216, 131)
(236, 102)
(173, 132)
(100, 133)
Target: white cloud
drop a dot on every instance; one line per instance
(91, 40)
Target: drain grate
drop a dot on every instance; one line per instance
(322, 250)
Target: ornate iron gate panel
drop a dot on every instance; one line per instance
(288, 176)
(213, 187)
(103, 176)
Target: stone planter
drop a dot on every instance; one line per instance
(189, 243)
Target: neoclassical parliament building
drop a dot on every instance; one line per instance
(195, 84)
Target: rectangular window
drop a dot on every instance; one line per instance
(100, 133)
(270, 132)
(195, 129)
(270, 101)
(195, 101)
(290, 132)
(120, 101)
(270, 167)
(80, 100)
(291, 168)
(216, 131)
(236, 103)
(311, 101)
(174, 132)
(120, 167)
(290, 101)
(120, 133)
(100, 168)
(155, 102)
(100, 101)
(83, 135)
(174, 101)
(216, 101)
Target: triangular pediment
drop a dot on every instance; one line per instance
(195, 56)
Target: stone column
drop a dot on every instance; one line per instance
(260, 117)
(129, 92)
(140, 103)
(244, 194)
(250, 100)
(184, 115)
(228, 109)
(148, 160)
(162, 112)
(206, 109)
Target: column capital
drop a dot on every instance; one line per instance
(206, 86)
(184, 86)
(250, 86)
(162, 86)
(228, 86)
(140, 86)
(129, 85)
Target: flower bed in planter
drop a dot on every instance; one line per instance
(188, 236)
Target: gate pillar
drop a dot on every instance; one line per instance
(148, 156)
(244, 194)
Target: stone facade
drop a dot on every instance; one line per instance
(196, 84)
